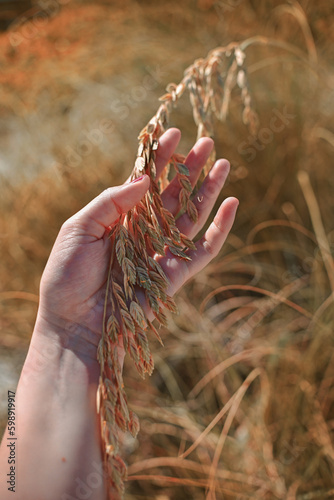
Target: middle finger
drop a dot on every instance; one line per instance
(195, 162)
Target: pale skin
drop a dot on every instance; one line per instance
(58, 441)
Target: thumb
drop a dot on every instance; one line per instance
(105, 209)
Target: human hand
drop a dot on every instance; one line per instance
(74, 281)
(56, 395)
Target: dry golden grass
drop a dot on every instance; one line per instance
(148, 229)
(241, 401)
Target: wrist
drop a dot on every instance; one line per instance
(58, 428)
(70, 334)
(58, 345)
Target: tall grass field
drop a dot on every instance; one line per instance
(241, 401)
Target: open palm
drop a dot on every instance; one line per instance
(74, 281)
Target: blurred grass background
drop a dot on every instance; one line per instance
(247, 369)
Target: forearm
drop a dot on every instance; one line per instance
(58, 444)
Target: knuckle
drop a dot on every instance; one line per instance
(67, 225)
(210, 249)
(211, 190)
(109, 194)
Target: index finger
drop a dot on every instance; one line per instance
(168, 142)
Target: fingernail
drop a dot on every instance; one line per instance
(138, 179)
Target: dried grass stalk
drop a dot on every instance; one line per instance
(149, 229)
